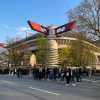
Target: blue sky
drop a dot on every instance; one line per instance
(15, 13)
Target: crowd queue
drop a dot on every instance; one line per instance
(68, 75)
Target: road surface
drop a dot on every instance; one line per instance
(12, 88)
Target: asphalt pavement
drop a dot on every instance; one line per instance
(12, 88)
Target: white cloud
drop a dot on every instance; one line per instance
(23, 29)
(14, 32)
(20, 33)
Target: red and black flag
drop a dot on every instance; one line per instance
(37, 27)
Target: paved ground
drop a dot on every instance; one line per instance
(12, 88)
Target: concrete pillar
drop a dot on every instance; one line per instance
(53, 57)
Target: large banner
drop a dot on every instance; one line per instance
(33, 60)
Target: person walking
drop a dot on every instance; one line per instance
(68, 76)
(73, 77)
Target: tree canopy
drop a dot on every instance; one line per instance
(41, 53)
(13, 55)
(87, 15)
(79, 54)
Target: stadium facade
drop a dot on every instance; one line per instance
(28, 46)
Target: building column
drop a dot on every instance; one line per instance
(53, 57)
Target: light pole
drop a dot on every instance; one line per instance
(26, 34)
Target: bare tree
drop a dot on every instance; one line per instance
(12, 54)
(87, 15)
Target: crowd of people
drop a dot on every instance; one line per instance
(68, 75)
(65, 74)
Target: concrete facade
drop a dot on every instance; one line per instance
(58, 42)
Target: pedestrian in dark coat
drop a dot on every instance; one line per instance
(68, 76)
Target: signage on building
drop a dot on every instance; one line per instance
(33, 60)
(61, 29)
(65, 28)
(37, 27)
